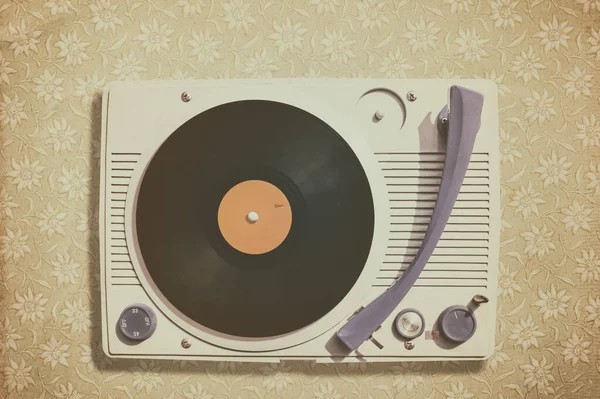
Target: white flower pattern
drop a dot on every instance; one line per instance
(76, 316)
(422, 35)
(146, 377)
(17, 376)
(260, 65)
(458, 6)
(552, 303)
(470, 45)
(30, 307)
(371, 14)
(72, 49)
(554, 34)
(505, 14)
(60, 136)
(288, 36)
(394, 65)
(594, 41)
(11, 111)
(49, 86)
(24, 38)
(578, 82)
(5, 69)
(540, 107)
(553, 170)
(576, 350)
(54, 352)
(51, 221)
(525, 334)
(105, 16)
(14, 245)
(56, 57)
(65, 269)
(190, 7)
(74, 183)
(509, 150)
(8, 337)
(93, 357)
(128, 67)
(237, 15)
(26, 174)
(337, 46)
(539, 241)
(277, 377)
(58, 6)
(324, 6)
(588, 266)
(154, 37)
(205, 48)
(538, 375)
(526, 201)
(89, 87)
(527, 65)
(577, 217)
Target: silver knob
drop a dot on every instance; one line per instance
(410, 323)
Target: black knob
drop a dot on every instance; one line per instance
(457, 323)
(137, 322)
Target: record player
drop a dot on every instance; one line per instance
(333, 220)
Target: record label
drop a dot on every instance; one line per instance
(254, 217)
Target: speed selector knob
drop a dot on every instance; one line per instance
(137, 322)
(457, 323)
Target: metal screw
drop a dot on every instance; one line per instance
(185, 97)
(411, 96)
(409, 345)
(444, 120)
(185, 344)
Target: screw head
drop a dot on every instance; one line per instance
(185, 97)
(408, 345)
(411, 96)
(185, 344)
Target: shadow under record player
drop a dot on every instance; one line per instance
(328, 220)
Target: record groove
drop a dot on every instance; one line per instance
(236, 293)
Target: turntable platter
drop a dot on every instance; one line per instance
(254, 219)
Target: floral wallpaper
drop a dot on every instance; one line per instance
(56, 55)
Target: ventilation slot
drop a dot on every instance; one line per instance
(121, 270)
(461, 256)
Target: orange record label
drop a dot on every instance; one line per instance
(254, 217)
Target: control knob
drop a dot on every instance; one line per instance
(457, 323)
(137, 322)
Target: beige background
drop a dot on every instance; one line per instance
(544, 55)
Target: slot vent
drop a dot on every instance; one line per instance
(461, 256)
(120, 270)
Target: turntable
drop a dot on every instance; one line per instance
(321, 219)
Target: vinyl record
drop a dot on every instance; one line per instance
(196, 218)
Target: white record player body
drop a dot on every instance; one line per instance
(402, 154)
